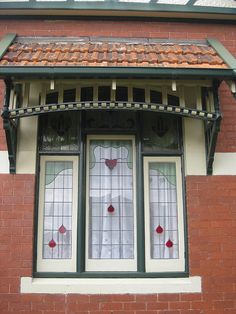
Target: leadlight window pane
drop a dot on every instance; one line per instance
(155, 97)
(69, 95)
(160, 133)
(104, 93)
(86, 94)
(59, 132)
(110, 120)
(111, 200)
(57, 221)
(163, 210)
(121, 93)
(52, 98)
(138, 94)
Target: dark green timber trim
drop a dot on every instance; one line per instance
(5, 43)
(211, 130)
(113, 72)
(81, 199)
(140, 199)
(10, 127)
(112, 105)
(223, 53)
(110, 5)
(104, 274)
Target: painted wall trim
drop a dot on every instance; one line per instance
(117, 72)
(223, 52)
(70, 5)
(4, 162)
(6, 41)
(111, 285)
(224, 164)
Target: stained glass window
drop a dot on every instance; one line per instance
(160, 132)
(57, 226)
(111, 120)
(163, 210)
(126, 156)
(59, 132)
(111, 204)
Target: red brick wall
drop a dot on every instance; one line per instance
(210, 203)
(212, 234)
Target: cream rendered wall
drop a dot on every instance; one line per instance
(194, 147)
(4, 162)
(27, 134)
(27, 143)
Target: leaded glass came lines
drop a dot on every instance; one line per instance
(163, 211)
(57, 225)
(111, 210)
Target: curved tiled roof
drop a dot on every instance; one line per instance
(109, 53)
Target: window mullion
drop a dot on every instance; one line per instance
(140, 202)
(81, 208)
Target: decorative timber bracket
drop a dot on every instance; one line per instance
(10, 127)
(212, 129)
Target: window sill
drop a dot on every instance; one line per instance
(111, 285)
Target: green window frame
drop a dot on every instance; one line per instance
(145, 151)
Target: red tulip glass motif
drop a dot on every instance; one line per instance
(159, 229)
(110, 209)
(62, 229)
(169, 243)
(52, 244)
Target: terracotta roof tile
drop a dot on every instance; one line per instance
(110, 53)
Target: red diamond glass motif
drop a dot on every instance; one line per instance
(169, 243)
(52, 244)
(62, 229)
(111, 163)
(111, 209)
(159, 229)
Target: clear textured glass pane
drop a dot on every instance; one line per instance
(52, 98)
(160, 132)
(163, 210)
(57, 225)
(104, 93)
(111, 209)
(155, 97)
(69, 95)
(86, 94)
(138, 94)
(121, 93)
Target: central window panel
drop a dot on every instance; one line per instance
(111, 207)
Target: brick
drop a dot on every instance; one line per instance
(146, 298)
(124, 298)
(111, 306)
(157, 305)
(168, 297)
(135, 306)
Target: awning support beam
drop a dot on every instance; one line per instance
(10, 128)
(212, 129)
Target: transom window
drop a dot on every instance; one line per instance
(110, 191)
